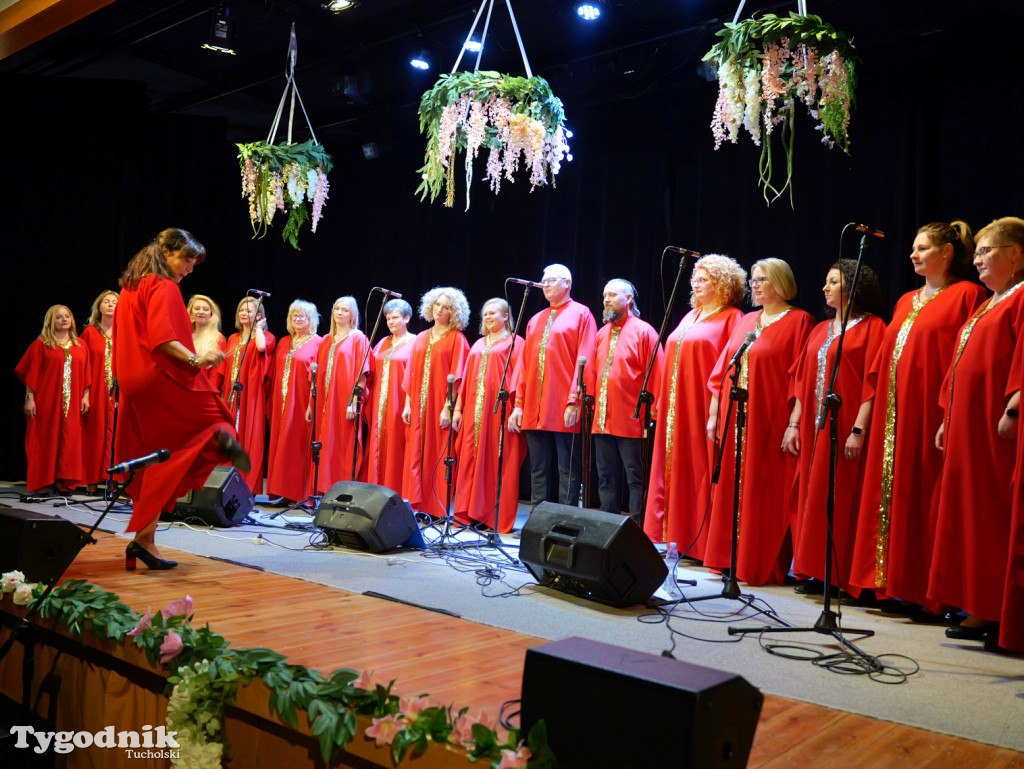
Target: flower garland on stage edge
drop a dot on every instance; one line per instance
(765, 67)
(206, 674)
(511, 116)
(284, 177)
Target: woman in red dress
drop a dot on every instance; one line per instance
(289, 402)
(165, 403)
(977, 438)
(385, 449)
(680, 487)
(803, 439)
(438, 353)
(476, 487)
(250, 353)
(342, 361)
(56, 374)
(206, 335)
(98, 423)
(779, 333)
(895, 525)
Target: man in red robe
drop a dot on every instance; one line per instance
(625, 346)
(545, 384)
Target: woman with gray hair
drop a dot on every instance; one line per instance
(778, 332)
(289, 400)
(342, 362)
(438, 353)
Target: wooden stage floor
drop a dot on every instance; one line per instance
(458, 661)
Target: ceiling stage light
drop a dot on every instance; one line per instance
(474, 46)
(420, 59)
(590, 10)
(337, 6)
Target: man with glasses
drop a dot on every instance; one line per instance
(545, 381)
(625, 346)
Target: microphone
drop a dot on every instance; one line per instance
(313, 367)
(683, 251)
(747, 341)
(257, 292)
(137, 464)
(521, 282)
(867, 230)
(451, 385)
(386, 292)
(581, 362)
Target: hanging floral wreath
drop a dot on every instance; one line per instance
(765, 67)
(284, 177)
(513, 117)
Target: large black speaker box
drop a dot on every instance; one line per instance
(362, 516)
(224, 500)
(607, 706)
(601, 556)
(35, 544)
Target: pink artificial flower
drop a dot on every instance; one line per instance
(462, 730)
(144, 623)
(412, 706)
(180, 607)
(384, 730)
(171, 647)
(514, 759)
(367, 680)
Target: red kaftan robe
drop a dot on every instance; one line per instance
(972, 525)
(810, 378)
(426, 384)
(290, 460)
(477, 444)
(1011, 627)
(249, 407)
(384, 464)
(546, 385)
(767, 471)
(898, 564)
(53, 438)
(338, 369)
(165, 403)
(680, 487)
(98, 423)
(617, 386)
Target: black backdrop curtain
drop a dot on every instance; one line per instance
(91, 177)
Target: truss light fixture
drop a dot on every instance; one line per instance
(589, 10)
(220, 31)
(337, 6)
(420, 59)
(474, 46)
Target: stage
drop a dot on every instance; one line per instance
(311, 604)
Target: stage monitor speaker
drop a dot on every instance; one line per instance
(663, 712)
(224, 500)
(362, 516)
(601, 556)
(36, 544)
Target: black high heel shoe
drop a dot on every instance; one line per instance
(135, 550)
(234, 450)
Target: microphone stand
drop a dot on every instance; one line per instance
(357, 390)
(449, 470)
(828, 621)
(111, 484)
(586, 421)
(236, 386)
(312, 502)
(646, 399)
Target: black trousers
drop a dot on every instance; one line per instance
(545, 447)
(613, 455)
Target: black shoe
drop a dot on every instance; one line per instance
(810, 587)
(234, 450)
(943, 618)
(965, 633)
(135, 550)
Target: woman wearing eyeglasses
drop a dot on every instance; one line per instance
(895, 525)
(810, 378)
(779, 331)
(681, 460)
(981, 398)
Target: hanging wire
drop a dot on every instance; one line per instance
(489, 5)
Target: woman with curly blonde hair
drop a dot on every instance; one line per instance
(438, 353)
(681, 460)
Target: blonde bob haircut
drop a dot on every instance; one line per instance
(502, 306)
(728, 279)
(779, 275)
(1009, 227)
(307, 309)
(460, 307)
(238, 310)
(47, 334)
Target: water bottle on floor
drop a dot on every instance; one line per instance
(672, 561)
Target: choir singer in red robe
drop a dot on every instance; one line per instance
(98, 422)
(624, 348)
(479, 427)
(56, 374)
(166, 403)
